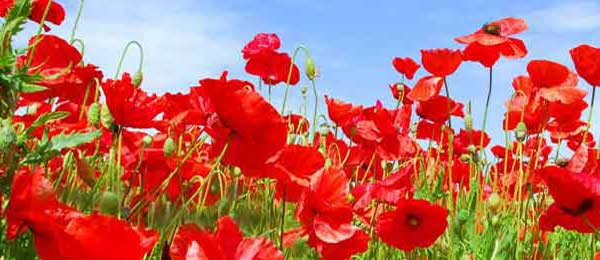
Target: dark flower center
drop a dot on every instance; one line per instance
(584, 206)
(413, 221)
(491, 28)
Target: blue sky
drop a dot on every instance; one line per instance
(352, 42)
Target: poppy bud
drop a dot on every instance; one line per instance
(472, 149)
(169, 147)
(86, 172)
(162, 213)
(462, 217)
(147, 141)
(521, 132)
(109, 203)
(324, 129)
(138, 77)
(562, 162)
(7, 136)
(93, 115)
(105, 117)
(494, 202)
(304, 89)
(468, 122)
(311, 71)
(495, 220)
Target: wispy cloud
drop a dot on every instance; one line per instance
(183, 40)
(568, 16)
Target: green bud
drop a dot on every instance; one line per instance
(465, 157)
(169, 147)
(109, 203)
(304, 89)
(105, 117)
(462, 217)
(494, 202)
(495, 220)
(147, 141)
(93, 114)
(138, 77)
(521, 132)
(311, 71)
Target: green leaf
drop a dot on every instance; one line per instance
(46, 118)
(63, 141)
(31, 88)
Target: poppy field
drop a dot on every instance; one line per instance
(93, 167)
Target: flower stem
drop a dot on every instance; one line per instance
(485, 111)
(448, 96)
(141, 65)
(77, 18)
(589, 120)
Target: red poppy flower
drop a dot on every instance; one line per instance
(576, 200)
(61, 232)
(273, 67)
(252, 127)
(436, 109)
(414, 224)
(432, 131)
(293, 167)
(129, 105)
(587, 63)
(405, 66)
(56, 14)
(492, 41)
(227, 243)
(426, 88)
(261, 41)
(441, 62)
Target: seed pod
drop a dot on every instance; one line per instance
(93, 115)
(465, 157)
(521, 132)
(109, 203)
(169, 147)
(105, 117)
(311, 71)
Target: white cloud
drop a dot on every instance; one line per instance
(567, 16)
(183, 40)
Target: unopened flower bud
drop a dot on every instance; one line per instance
(169, 147)
(109, 203)
(494, 202)
(7, 135)
(138, 77)
(93, 115)
(311, 71)
(521, 132)
(147, 141)
(465, 157)
(105, 117)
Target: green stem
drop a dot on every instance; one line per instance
(39, 32)
(77, 18)
(125, 52)
(485, 111)
(448, 96)
(289, 78)
(314, 121)
(589, 120)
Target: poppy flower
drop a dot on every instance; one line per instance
(436, 109)
(61, 232)
(414, 224)
(56, 14)
(240, 118)
(261, 41)
(273, 67)
(426, 88)
(492, 41)
(227, 243)
(441, 62)
(293, 167)
(129, 105)
(587, 63)
(405, 66)
(578, 209)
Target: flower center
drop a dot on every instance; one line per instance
(491, 28)
(413, 221)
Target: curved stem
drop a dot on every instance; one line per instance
(289, 78)
(125, 52)
(81, 45)
(314, 121)
(77, 18)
